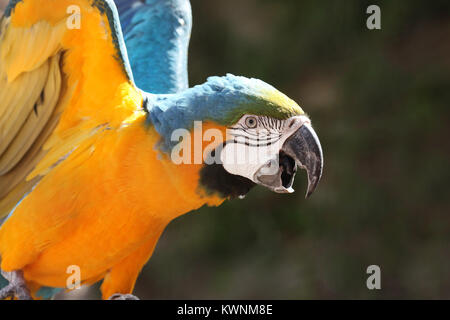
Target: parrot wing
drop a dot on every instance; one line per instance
(64, 74)
(157, 35)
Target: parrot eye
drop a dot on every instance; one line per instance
(251, 122)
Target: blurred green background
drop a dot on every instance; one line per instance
(380, 103)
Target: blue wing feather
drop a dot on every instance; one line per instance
(157, 34)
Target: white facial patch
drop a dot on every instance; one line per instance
(254, 143)
(244, 159)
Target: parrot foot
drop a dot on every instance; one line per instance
(119, 296)
(17, 287)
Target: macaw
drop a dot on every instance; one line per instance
(89, 166)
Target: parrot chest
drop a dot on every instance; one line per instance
(93, 214)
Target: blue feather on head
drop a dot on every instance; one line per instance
(223, 100)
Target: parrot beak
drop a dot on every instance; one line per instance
(302, 148)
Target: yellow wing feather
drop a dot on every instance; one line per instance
(58, 87)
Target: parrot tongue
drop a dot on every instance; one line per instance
(281, 180)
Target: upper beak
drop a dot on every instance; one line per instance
(304, 147)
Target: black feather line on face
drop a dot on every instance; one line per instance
(257, 144)
(266, 138)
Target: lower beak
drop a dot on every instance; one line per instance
(303, 146)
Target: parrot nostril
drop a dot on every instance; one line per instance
(291, 124)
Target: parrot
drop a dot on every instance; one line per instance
(93, 168)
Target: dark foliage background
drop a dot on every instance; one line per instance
(379, 101)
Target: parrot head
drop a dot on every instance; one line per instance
(260, 136)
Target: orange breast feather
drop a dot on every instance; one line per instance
(98, 206)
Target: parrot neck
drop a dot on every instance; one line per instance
(157, 35)
(153, 181)
(210, 180)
